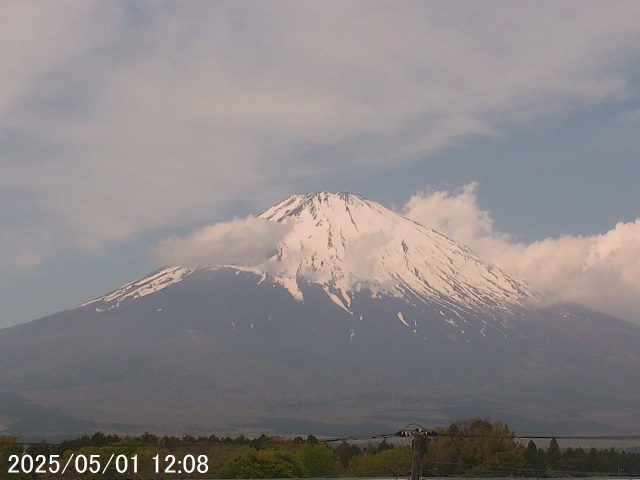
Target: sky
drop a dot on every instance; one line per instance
(510, 126)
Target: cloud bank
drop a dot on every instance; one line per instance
(243, 242)
(118, 118)
(600, 271)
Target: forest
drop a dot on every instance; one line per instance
(468, 448)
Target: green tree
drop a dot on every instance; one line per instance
(9, 446)
(264, 464)
(502, 464)
(384, 445)
(319, 460)
(535, 457)
(395, 461)
(553, 454)
(345, 451)
(467, 444)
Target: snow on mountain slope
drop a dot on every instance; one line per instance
(346, 244)
(141, 288)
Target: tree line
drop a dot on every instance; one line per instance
(480, 448)
(471, 448)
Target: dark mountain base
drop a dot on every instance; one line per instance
(222, 352)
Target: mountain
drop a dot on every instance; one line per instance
(346, 244)
(349, 318)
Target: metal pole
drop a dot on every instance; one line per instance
(415, 463)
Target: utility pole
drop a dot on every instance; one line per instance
(418, 432)
(415, 462)
(417, 435)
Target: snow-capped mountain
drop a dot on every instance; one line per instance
(346, 244)
(350, 319)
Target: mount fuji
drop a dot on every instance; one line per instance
(344, 317)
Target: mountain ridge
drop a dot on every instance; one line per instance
(300, 338)
(346, 243)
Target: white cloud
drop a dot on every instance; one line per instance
(601, 271)
(122, 117)
(244, 241)
(449, 213)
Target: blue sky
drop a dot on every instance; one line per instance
(511, 126)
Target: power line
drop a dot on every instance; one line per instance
(420, 430)
(405, 432)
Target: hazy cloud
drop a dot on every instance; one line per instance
(601, 271)
(244, 242)
(117, 118)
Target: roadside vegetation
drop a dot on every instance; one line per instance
(469, 448)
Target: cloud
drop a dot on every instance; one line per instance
(600, 271)
(243, 242)
(451, 213)
(119, 118)
(362, 254)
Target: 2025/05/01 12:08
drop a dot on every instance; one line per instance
(81, 463)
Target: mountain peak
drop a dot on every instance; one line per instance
(313, 202)
(347, 244)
